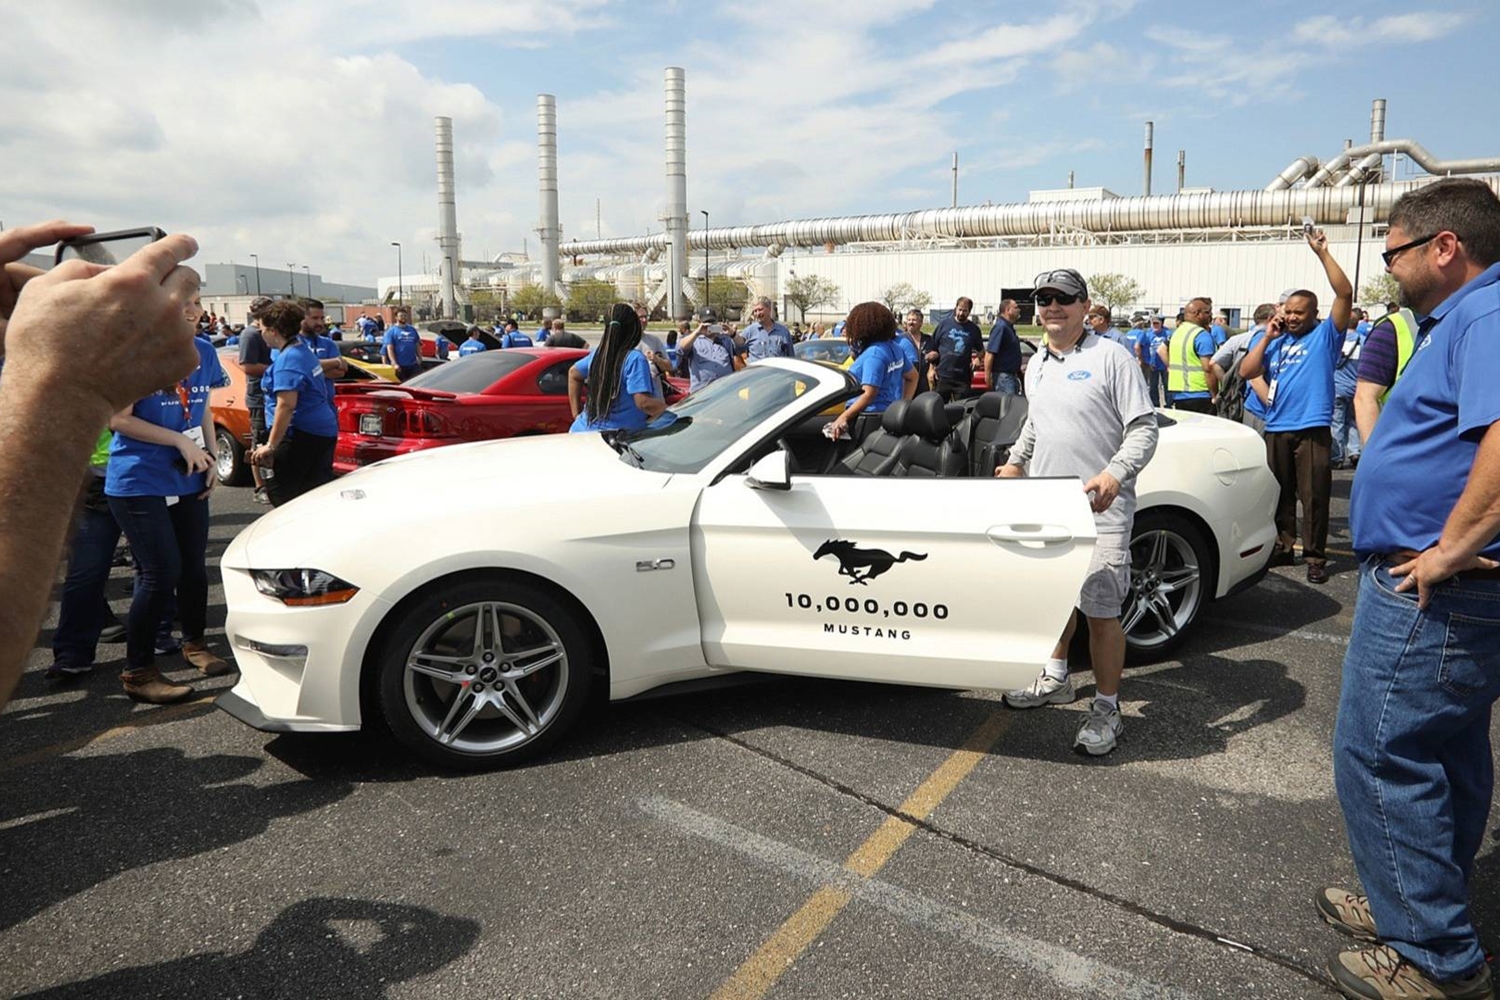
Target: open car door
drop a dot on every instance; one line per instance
(957, 583)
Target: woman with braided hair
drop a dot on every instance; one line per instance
(618, 379)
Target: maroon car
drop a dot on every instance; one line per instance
(493, 394)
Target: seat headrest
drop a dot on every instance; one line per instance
(990, 405)
(894, 417)
(926, 417)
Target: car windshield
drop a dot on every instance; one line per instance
(824, 349)
(475, 373)
(696, 430)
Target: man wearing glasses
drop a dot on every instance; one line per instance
(1297, 355)
(1089, 417)
(1412, 759)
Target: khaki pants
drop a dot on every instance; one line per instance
(1300, 462)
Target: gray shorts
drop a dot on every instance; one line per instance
(1108, 580)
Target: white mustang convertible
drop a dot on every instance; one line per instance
(732, 536)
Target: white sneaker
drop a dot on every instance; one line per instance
(1097, 736)
(1044, 690)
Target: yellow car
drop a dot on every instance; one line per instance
(380, 373)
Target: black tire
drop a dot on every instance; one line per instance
(481, 714)
(229, 459)
(1165, 550)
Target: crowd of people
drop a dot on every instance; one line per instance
(87, 349)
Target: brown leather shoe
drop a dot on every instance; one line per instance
(1316, 573)
(207, 663)
(151, 687)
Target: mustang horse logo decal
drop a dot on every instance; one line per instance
(862, 565)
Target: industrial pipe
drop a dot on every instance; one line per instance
(1419, 155)
(447, 216)
(546, 166)
(676, 235)
(1150, 131)
(1294, 172)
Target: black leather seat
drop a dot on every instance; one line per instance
(876, 454)
(928, 448)
(996, 426)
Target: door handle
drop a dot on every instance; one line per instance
(1045, 533)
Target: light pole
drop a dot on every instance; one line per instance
(400, 293)
(256, 258)
(291, 278)
(308, 272)
(705, 257)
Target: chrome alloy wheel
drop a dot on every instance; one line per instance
(1166, 588)
(486, 677)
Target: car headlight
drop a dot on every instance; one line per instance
(301, 588)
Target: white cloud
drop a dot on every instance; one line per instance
(1423, 26)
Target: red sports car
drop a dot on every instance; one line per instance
(493, 394)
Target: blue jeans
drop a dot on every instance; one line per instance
(169, 545)
(1345, 433)
(83, 611)
(1007, 383)
(1156, 387)
(1412, 761)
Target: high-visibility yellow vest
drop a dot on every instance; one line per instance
(1184, 371)
(1405, 325)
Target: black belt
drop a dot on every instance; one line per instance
(1407, 555)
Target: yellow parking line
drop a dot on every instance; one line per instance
(755, 977)
(168, 713)
(1339, 552)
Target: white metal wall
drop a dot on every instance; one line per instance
(1235, 275)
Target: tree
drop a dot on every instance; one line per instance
(532, 299)
(810, 291)
(590, 299)
(1114, 290)
(1378, 291)
(901, 297)
(727, 294)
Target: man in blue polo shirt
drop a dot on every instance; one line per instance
(1002, 355)
(1412, 759)
(513, 337)
(402, 346)
(1156, 377)
(766, 338)
(324, 348)
(1296, 355)
(473, 345)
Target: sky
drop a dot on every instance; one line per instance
(303, 132)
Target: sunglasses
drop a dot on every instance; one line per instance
(1045, 299)
(1389, 256)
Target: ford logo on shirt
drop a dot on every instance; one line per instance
(1079, 376)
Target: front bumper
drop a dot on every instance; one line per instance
(241, 708)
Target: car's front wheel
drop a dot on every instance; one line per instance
(229, 459)
(483, 673)
(1170, 582)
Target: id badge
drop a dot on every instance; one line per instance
(195, 435)
(1271, 393)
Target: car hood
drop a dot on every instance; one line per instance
(528, 478)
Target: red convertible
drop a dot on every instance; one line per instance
(493, 394)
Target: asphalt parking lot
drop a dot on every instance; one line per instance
(792, 838)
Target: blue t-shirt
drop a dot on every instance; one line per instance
(142, 469)
(1346, 365)
(517, 339)
(1005, 345)
(1158, 337)
(1203, 347)
(710, 358)
(326, 349)
(774, 341)
(635, 376)
(1417, 462)
(442, 347)
(910, 350)
(233, 340)
(407, 343)
(295, 369)
(1137, 341)
(469, 347)
(882, 364)
(541, 335)
(956, 344)
(1253, 405)
(1299, 371)
(1220, 335)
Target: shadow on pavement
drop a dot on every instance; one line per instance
(73, 822)
(318, 947)
(1484, 892)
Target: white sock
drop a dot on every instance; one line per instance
(1112, 700)
(1056, 669)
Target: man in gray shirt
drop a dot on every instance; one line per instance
(766, 338)
(655, 351)
(1089, 417)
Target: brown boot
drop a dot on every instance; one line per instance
(199, 656)
(150, 686)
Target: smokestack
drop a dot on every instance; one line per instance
(955, 179)
(447, 215)
(677, 220)
(1070, 180)
(1181, 170)
(546, 167)
(1377, 120)
(1150, 131)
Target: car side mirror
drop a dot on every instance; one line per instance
(771, 472)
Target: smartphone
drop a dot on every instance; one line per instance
(1307, 224)
(717, 330)
(107, 248)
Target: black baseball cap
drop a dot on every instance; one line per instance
(1065, 280)
(707, 315)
